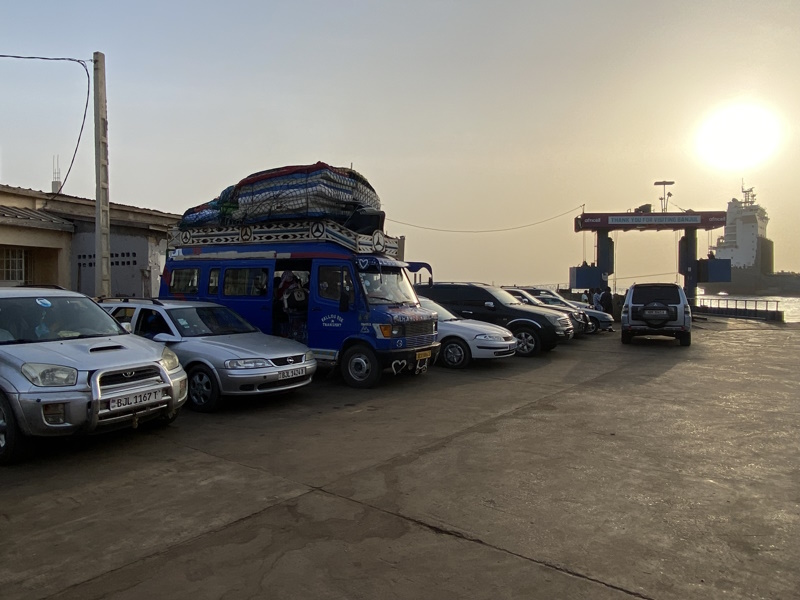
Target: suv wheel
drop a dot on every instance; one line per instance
(626, 337)
(528, 342)
(455, 353)
(11, 438)
(686, 338)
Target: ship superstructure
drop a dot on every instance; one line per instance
(745, 240)
(751, 253)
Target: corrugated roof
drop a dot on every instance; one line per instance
(28, 217)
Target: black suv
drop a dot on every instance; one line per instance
(535, 328)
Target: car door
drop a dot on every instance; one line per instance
(149, 323)
(331, 319)
(478, 303)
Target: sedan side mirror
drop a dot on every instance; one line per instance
(166, 338)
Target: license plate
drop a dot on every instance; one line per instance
(134, 399)
(292, 373)
(423, 354)
(656, 313)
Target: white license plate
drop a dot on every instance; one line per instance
(656, 313)
(292, 373)
(134, 399)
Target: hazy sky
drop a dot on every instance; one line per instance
(462, 114)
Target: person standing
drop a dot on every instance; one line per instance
(585, 296)
(606, 301)
(596, 299)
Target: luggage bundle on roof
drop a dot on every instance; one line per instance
(317, 191)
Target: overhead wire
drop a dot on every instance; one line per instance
(85, 107)
(486, 230)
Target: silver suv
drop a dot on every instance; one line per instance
(657, 309)
(66, 366)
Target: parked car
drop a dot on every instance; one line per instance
(535, 328)
(222, 353)
(599, 320)
(657, 309)
(67, 367)
(464, 340)
(580, 321)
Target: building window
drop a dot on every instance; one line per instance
(13, 266)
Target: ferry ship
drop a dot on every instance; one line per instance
(751, 253)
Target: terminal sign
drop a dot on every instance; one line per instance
(625, 221)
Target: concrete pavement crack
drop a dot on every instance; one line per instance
(439, 530)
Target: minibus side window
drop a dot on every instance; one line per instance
(245, 282)
(184, 281)
(213, 282)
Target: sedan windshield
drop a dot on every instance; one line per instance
(388, 286)
(444, 314)
(504, 296)
(198, 321)
(47, 318)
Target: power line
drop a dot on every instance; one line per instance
(486, 230)
(651, 275)
(85, 107)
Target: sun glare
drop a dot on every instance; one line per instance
(738, 136)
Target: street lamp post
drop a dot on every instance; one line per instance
(665, 198)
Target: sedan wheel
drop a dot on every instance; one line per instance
(203, 390)
(455, 353)
(592, 326)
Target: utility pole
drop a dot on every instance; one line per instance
(102, 225)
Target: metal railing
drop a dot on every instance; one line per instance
(768, 310)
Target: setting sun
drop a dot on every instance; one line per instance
(738, 136)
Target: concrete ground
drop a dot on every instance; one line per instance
(597, 471)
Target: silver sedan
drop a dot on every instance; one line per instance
(222, 353)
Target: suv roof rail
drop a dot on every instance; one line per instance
(49, 286)
(155, 301)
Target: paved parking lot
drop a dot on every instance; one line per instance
(595, 471)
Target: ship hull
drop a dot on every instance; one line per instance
(750, 281)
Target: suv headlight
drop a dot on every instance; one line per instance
(42, 375)
(489, 337)
(169, 360)
(247, 363)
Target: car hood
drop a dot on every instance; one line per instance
(245, 345)
(471, 328)
(539, 310)
(86, 354)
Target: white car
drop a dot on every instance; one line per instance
(466, 339)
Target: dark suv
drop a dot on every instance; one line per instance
(535, 328)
